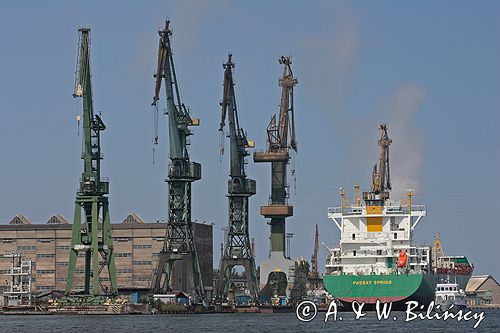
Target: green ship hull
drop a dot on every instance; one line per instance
(398, 288)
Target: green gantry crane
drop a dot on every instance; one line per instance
(93, 238)
(179, 241)
(237, 251)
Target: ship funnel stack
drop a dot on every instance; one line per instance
(381, 176)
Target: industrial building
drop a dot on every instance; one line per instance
(137, 246)
(483, 290)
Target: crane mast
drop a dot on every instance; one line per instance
(381, 178)
(93, 239)
(237, 251)
(179, 241)
(314, 271)
(280, 139)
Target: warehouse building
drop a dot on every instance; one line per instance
(137, 246)
(483, 290)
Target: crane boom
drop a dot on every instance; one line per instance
(236, 135)
(278, 133)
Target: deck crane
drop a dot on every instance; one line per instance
(280, 140)
(92, 238)
(179, 241)
(381, 178)
(237, 251)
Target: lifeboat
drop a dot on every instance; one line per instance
(402, 259)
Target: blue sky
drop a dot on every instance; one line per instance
(430, 70)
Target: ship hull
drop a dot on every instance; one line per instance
(395, 288)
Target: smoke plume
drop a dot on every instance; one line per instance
(406, 152)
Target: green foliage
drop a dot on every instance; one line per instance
(170, 307)
(303, 267)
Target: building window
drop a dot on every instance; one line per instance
(45, 240)
(46, 287)
(123, 255)
(354, 253)
(379, 252)
(141, 278)
(395, 235)
(141, 262)
(124, 270)
(26, 248)
(45, 271)
(353, 236)
(121, 239)
(62, 247)
(60, 279)
(61, 263)
(45, 255)
(141, 246)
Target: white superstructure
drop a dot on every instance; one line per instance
(450, 295)
(373, 231)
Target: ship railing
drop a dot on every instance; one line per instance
(345, 211)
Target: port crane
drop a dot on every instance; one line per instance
(179, 242)
(280, 140)
(90, 235)
(237, 251)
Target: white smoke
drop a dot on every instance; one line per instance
(406, 151)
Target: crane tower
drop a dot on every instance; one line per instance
(179, 242)
(89, 235)
(280, 139)
(237, 251)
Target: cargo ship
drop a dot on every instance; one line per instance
(376, 258)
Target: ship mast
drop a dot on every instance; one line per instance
(381, 177)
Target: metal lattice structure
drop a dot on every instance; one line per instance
(237, 250)
(182, 172)
(88, 234)
(19, 280)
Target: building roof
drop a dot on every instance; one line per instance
(20, 219)
(58, 219)
(133, 219)
(476, 282)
